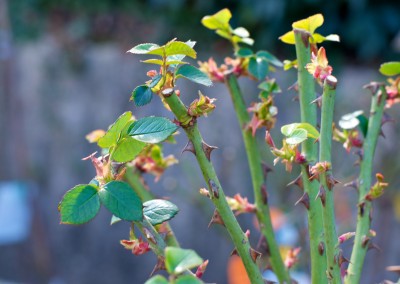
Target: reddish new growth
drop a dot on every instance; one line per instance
(137, 246)
(318, 169)
(201, 269)
(240, 204)
(349, 138)
(393, 92)
(264, 114)
(377, 189)
(292, 257)
(289, 154)
(319, 67)
(217, 74)
(104, 172)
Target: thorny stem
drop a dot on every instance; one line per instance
(361, 242)
(217, 195)
(133, 177)
(308, 112)
(155, 240)
(258, 180)
(328, 103)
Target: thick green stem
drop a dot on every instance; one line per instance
(308, 112)
(133, 177)
(326, 181)
(258, 180)
(217, 195)
(361, 241)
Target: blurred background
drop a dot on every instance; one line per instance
(64, 72)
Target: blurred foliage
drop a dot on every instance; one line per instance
(367, 28)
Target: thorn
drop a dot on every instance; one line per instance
(234, 252)
(373, 87)
(382, 134)
(254, 254)
(263, 245)
(331, 182)
(264, 194)
(266, 169)
(321, 248)
(360, 154)
(189, 148)
(294, 87)
(321, 194)
(305, 199)
(160, 265)
(371, 246)
(387, 118)
(317, 101)
(340, 259)
(298, 181)
(361, 208)
(216, 219)
(214, 188)
(149, 236)
(353, 184)
(364, 241)
(207, 149)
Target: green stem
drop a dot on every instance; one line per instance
(258, 179)
(217, 195)
(133, 177)
(360, 246)
(328, 103)
(308, 112)
(155, 240)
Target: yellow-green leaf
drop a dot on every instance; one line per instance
(390, 68)
(310, 24)
(219, 20)
(288, 38)
(114, 131)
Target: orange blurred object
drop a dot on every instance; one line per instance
(236, 271)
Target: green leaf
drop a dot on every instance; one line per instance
(143, 48)
(258, 67)
(390, 68)
(120, 199)
(188, 279)
(158, 279)
(152, 129)
(160, 62)
(288, 129)
(193, 74)
(224, 33)
(179, 48)
(297, 136)
(155, 81)
(114, 131)
(270, 86)
(114, 219)
(158, 211)
(179, 57)
(127, 149)
(79, 205)
(241, 32)
(270, 58)
(142, 95)
(363, 124)
(219, 20)
(177, 260)
(244, 52)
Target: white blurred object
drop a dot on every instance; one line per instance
(15, 212)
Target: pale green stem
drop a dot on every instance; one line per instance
(361, 242)
(308, 111)
(325, 140)
(258, 180)
(217, 195)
